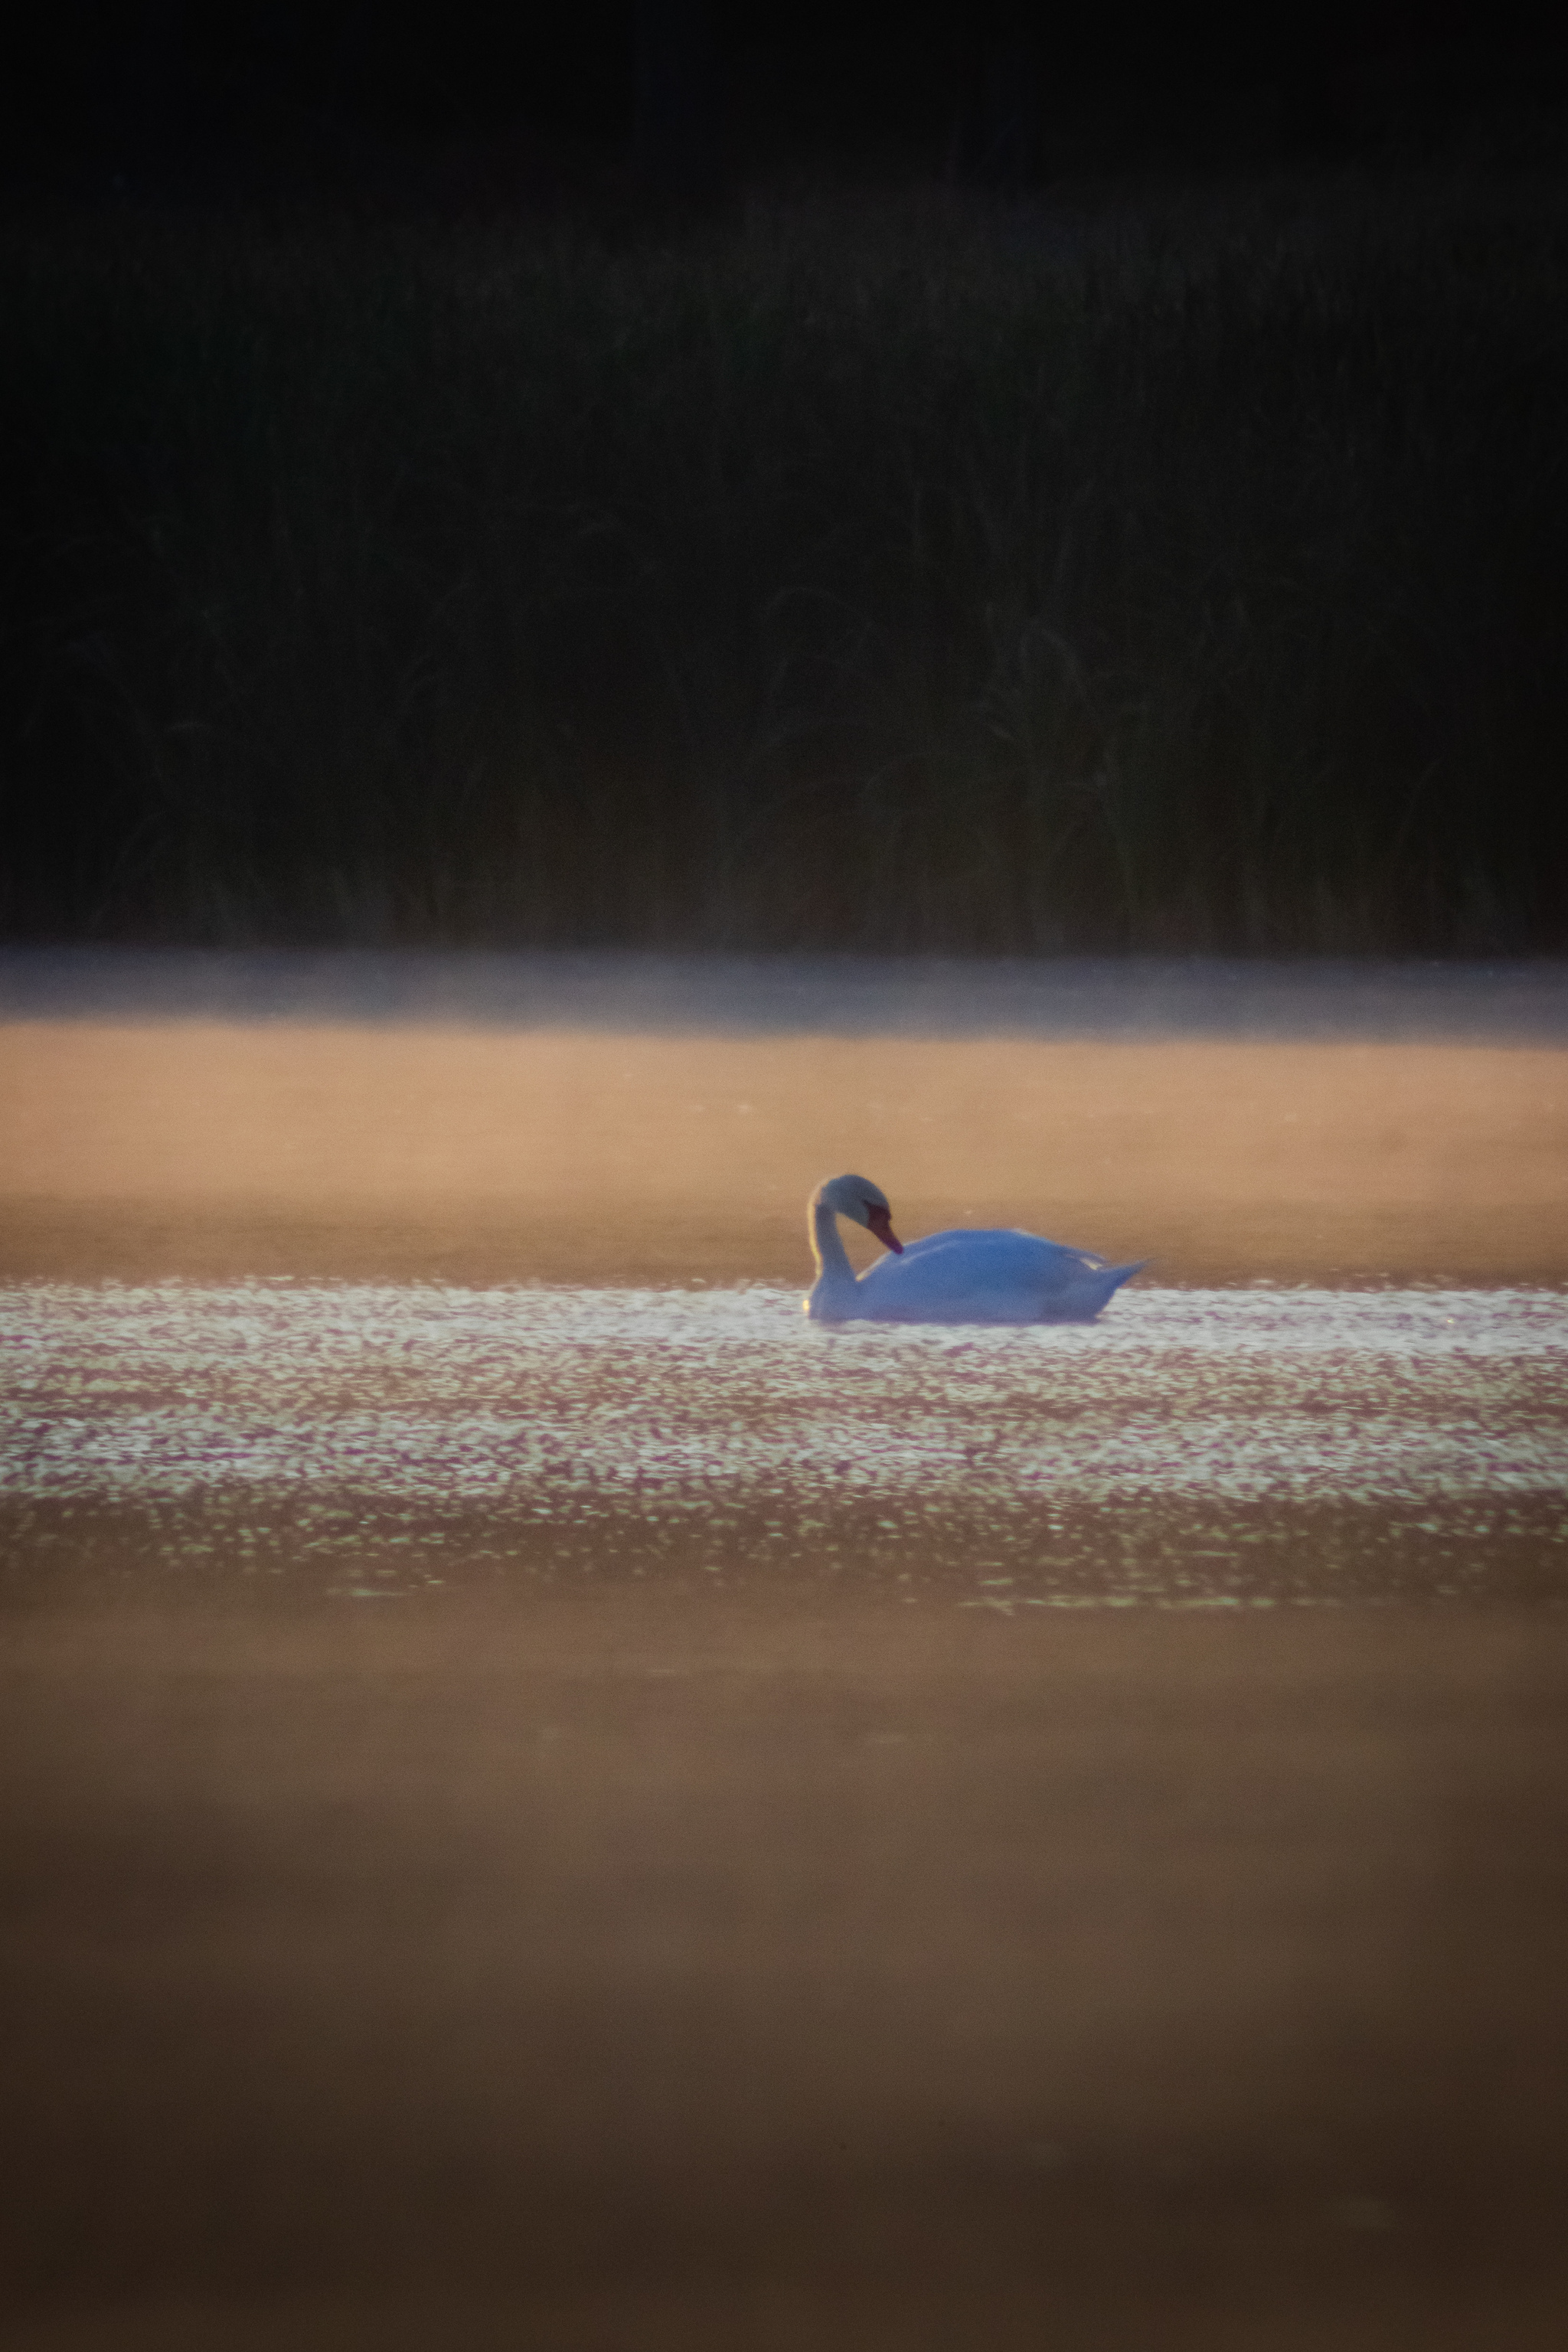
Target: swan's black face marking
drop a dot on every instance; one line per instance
(881, 1221)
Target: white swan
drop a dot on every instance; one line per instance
(996, 1277)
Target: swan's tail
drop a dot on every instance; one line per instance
(1110, 1279)
(1092, 1290)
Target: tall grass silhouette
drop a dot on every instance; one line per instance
(901, 573)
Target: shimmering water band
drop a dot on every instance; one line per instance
(445, 1398)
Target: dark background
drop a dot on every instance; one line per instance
(467, 104)
(1004, 479)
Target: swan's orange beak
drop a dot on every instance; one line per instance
(881, 1224)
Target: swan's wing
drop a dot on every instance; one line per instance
(971, 1278)
(988, 1255)
(994, 1276)
(931, 1242)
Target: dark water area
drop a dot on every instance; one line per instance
(632, 1966)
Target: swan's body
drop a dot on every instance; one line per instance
(961, 1276)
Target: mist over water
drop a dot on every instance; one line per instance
(1518, 1002)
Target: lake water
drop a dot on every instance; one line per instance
(1196, 1447)
(561, 1804)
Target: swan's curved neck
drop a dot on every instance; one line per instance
(836, 1277)
(827, 1243)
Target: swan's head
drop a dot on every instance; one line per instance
(858, 1197)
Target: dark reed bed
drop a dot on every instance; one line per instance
(885, 573)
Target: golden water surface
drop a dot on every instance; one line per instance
(205, 1149)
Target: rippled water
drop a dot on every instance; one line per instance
(1196, 1444)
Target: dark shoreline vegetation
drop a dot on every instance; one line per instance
(894, 574)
